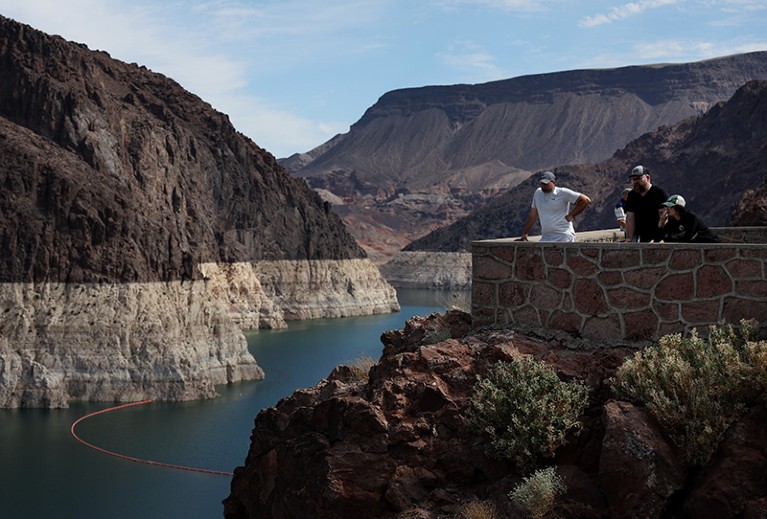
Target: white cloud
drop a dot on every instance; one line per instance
(282, 133)
(624, 11)
(504, 5)
(471, 60)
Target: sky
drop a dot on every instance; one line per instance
(291, 74)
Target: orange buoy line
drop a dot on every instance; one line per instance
(131, 458)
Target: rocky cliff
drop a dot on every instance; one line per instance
(140, 230)
(393, 443)
(421, 158)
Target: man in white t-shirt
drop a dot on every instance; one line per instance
(552, 205)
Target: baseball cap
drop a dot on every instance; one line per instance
(675, 200)
(547, 177)
(638, 171)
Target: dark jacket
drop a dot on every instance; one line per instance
(688, 229)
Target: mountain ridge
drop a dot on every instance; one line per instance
(429, 140)
(712, 160)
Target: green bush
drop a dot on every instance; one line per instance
(525, 411)
(697, 387)
(537, 493)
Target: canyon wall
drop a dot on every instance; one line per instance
(141, 232)
(175, 340)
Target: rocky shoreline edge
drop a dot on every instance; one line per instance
(174, 340)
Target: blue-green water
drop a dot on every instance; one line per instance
(46, 473)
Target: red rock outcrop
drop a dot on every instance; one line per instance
(394, 444)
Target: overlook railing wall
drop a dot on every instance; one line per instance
(602, 290)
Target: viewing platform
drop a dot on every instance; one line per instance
(604, 290)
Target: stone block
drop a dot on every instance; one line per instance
(553, 257)
(581, 267)
(507, 254)
(513, 294)
(641, 325)
(670, 328)
(545, 297)
(666, 311)
(627, 298)
(589, 297)
(488, 267)
(560, 278)
(567, 321)
(744, 269)
(718, 254)
(602, 328)
(527, 315)
(610, 279)
(645, 278)
(483, 294)
(752, 289)
(759, 253)
(655, 256)
(528, 265)
(737, 308)
(700, 312)
(676, 287)
(713, 281)
(620, 259)
(686, 259)
(483, 316)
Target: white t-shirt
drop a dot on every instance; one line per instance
(552, 209)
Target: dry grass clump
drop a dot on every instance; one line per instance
(360, 367)
(537, 494)
(696, 388)
(477, 509)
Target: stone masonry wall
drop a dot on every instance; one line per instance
(618, 291)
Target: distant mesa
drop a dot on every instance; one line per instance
(451, 149)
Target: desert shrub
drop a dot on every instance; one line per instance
(537, 493)
(697, 387)
(476, 509)
(524, 411)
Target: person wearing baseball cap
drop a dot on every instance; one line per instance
(556, 207)
(642, 206)
(677, 224)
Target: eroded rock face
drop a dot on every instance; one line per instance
(394, 443)
(116, 342)
(132, 222)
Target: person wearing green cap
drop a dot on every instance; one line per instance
(677, 224)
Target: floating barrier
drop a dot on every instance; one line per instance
(131, 458)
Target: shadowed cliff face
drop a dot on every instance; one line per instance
(712, 160)
(432, 155)
(111, 172)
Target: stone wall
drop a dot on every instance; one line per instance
(620, 291)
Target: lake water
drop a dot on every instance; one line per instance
(46, 473)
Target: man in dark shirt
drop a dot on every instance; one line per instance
(642, 207)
